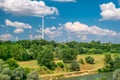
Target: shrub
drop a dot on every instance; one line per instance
(108, 59)
(74, 66)
(60, 64)
(32, 76)
(89, 59)
(43, 70)
(116, 74)
(81, 61)
(68, 55)
(19, 74)
(4, 77)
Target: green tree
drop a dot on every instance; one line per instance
(116, 62)
(12, 63)
(108, 59)
(16, 50)
(4, 52)
(45, 58)
(68, 55)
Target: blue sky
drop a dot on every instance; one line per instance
(65, 20)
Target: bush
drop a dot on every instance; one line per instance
(4, 77)
(60, 64)
(81, 61)
(43, 70)
(74, 66)
(89, 59)
(12, 63)
(108, 59)
(32, 76)
(116, 74)
(68, 55)
(19, 74)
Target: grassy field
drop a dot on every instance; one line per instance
(99, 62)
(84, 68)
(29, 64)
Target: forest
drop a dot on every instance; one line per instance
(51, 55)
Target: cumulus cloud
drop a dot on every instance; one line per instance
(27, 7)
(52, 32)
(109, 11)
(78, 31)
(6, 37)
(17, 31)
(18, 25)
(65, 0)
(38, 36)
(79, 28)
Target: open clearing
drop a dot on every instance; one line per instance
(99, 62)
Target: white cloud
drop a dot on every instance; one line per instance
(84, 37)
(27, 7)
(79, 28)
(52, 32)
(75, 27)
(18, 25)
(109, 11)
(6, 37)
(79, 31)
(17, 31)
(35, 36)
(65, 0)
(31, 36)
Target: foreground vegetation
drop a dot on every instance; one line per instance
(48, 57)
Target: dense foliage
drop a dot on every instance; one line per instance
(14, 72)
(74, 66)
(89, 59)
(46, 52)
(116, 74)
(110, 63)
(29, 49)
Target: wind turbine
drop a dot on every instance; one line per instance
(43, 25)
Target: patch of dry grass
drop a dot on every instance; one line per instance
(99, 61)
(29, 64)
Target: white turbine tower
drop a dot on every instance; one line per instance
(43, 25)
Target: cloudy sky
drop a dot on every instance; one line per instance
(65, 20)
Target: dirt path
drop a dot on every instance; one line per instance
(68, 74)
